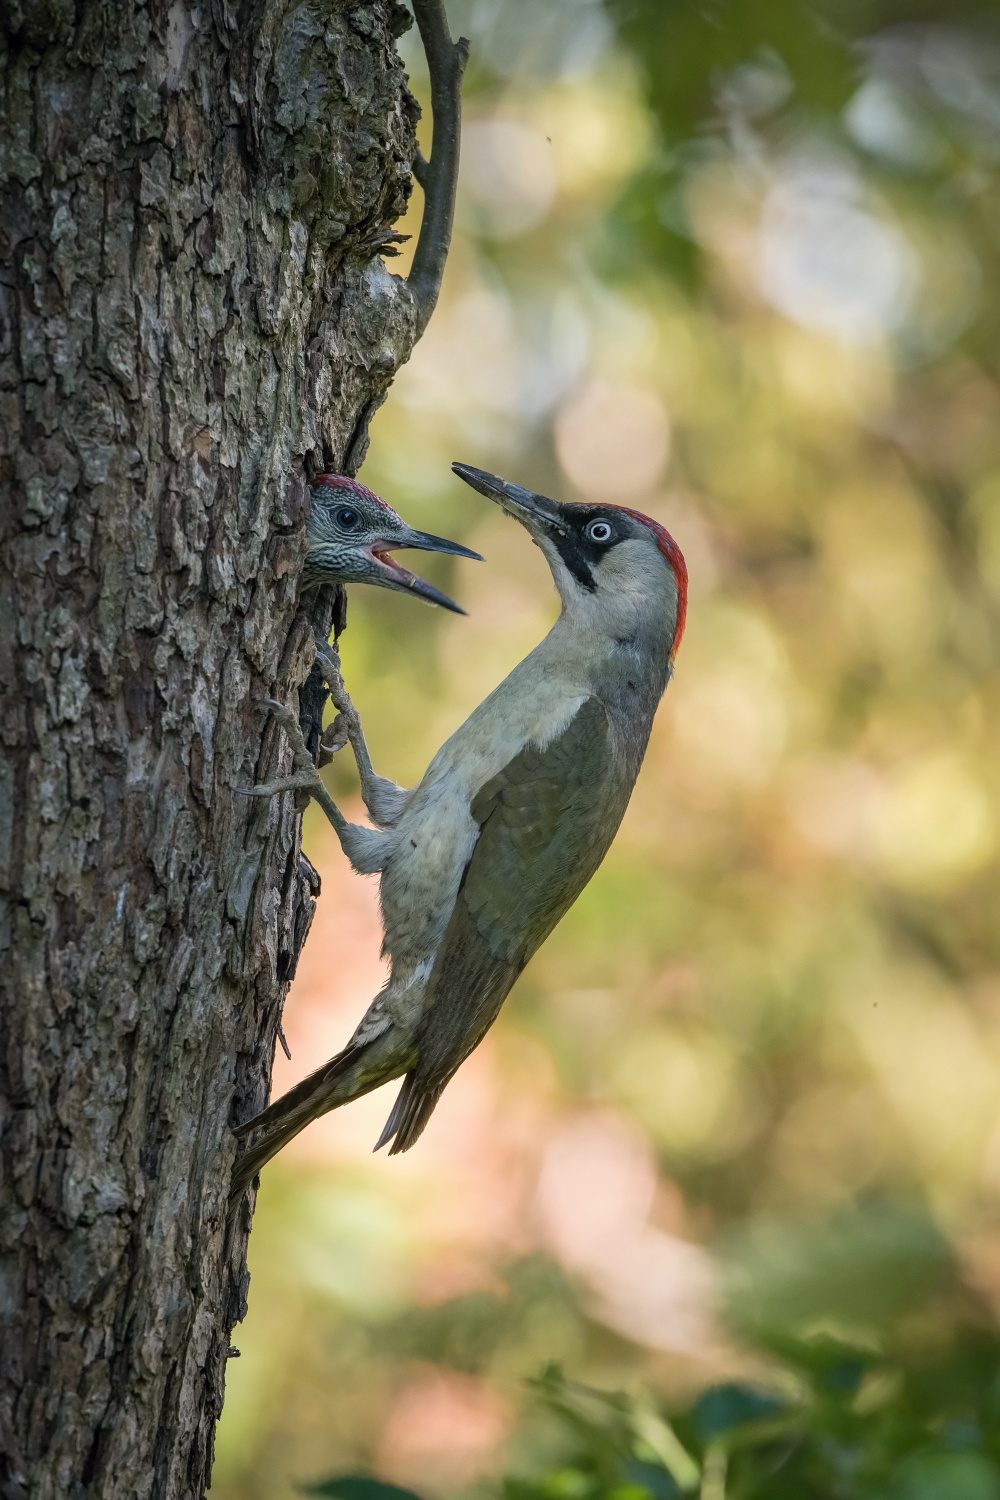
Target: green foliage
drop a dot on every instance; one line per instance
(865, 1269)
(835, 1421)
(468, 1332)
(358, 1487)
(857, 1426)
(876, 1377)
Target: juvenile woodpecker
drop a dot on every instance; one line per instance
(351, 534)
(513, 816)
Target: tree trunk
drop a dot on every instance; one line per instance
(193, 317)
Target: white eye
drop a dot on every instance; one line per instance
(599, 531)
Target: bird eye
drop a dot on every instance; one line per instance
(599, 531)
(347, 519)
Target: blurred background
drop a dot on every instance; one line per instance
(737, 1131)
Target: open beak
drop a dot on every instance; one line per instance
(395, 576)
(539, 514)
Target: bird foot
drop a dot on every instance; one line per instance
(304, 776)
(347, 725)
(328, 661)
(346, 729)
(289, 724)
(295, 783)
(334, 737)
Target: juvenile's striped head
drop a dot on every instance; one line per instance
(612, 565)
(352, 533)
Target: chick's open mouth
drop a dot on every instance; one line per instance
(385, 557)
(401, 578)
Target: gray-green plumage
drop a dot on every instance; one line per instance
(545, 824)
(512, 818)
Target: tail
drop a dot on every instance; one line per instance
(357, 1070)
(413, 1108)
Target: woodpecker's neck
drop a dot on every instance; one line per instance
(628, 619)
(627, 656)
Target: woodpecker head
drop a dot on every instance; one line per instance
(351, 534)
(617, 570)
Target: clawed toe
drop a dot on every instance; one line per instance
(336, 735)
(327, 655)
(305, 777)
(342, 703)
(284, 715)
(328, 660)
(298, 783)
(333, 739)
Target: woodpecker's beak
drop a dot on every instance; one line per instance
(393, 576)
(538, 513)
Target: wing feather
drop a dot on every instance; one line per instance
(546, 822)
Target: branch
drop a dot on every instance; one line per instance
(438, 177)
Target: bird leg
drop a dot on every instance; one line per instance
(346, 727)
(304, 777)
(383, 798)
(366, 848)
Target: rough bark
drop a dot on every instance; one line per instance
(193, 316)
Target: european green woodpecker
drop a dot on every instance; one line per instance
(513, 816)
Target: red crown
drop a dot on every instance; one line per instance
(353, 487)
(675, 557)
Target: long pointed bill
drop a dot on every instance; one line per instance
(422, 541)
(538, 513)
(395, 576)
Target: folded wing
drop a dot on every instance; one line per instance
(546, 822)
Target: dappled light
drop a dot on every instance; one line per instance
(748, 1093)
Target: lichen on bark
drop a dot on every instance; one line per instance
(193, 317)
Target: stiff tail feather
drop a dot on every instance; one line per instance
(251, 1162)
(302, 1094)
(413, 1108)
(283, 1119)
(357, 1070)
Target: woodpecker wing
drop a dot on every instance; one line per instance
(539, 820)
(546, 822)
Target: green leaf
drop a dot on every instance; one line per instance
(357, 1487)
(726, 1407)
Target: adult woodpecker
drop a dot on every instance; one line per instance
(351, 534)
(513, 816)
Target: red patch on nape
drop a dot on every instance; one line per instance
(675, 557)
(352, 486)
